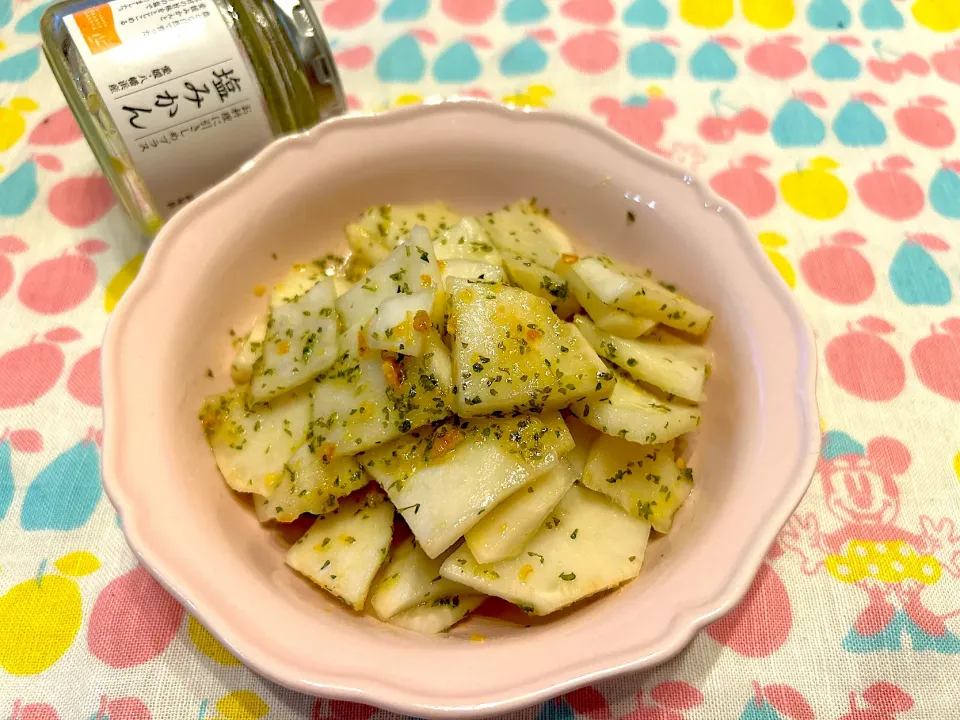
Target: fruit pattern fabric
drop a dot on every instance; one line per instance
(831, 124)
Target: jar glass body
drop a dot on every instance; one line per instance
(279, 45)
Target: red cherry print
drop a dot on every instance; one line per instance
(864, 364)
(60, 284)
(837, 271)
(81, 201)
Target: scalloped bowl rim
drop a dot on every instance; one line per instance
(685, 622)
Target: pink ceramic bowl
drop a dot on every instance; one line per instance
(753, 458)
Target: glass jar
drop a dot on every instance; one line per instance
(173, 95)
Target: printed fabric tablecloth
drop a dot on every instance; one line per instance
(831, 125)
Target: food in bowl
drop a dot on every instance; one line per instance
(521, 408)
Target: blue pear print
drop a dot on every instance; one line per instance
(837, 443)
(523, 12)
(405, 10)
(761, 710)
(556, 709)
(402, 61)
(945, 191)
(20, 67)
(651, 60)
(6, 477)
(835, 62)
(18, 190)
(880, 15)
(646, 13)
(65, 493)
(457, 64)
(524, 58)
(796, 126)
(856, 125)
(828, 15)
(916, 278)
(6, 12)
(29, 24)
(712, 63)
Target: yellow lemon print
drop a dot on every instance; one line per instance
(956, 465)
(78, 564)
(769, 14)
(12, 122)
(815, 191)
(937, 15)
(408, 99)
(770, 241)
(39, 618)
(823, 425)
(209, 645)
(120, 282)
(710, 14)
(534, 96)
(242, 705)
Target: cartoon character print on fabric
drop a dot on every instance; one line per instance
(640, 118)
(872, 550)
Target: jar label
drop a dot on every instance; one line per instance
(178, 86)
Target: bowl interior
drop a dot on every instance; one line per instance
(221, 551)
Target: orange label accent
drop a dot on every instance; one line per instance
(96, 26)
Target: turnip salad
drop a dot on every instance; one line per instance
(520, 407)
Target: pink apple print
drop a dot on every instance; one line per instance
(125, 708)
(838, 271)
(9, 245)
(884, 702)
(83, 383)
(27, 373)
(60, 284)
(670, 701)
(354, 103)
(890, 192)
(59, 128)
(33, 711)
(746, 187)
(760, 624)
(778, 58)
(25, 441)
(889, 67)
(925, 124)
(595, 12)
(469, 12)
(133, 620)
(590, 702)
(864, 364)
(591, 52)
(946, 63)
(80, 201)
(643, 124)
(786, 702)
(355, 58)
(936, 359)
(347, 14)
